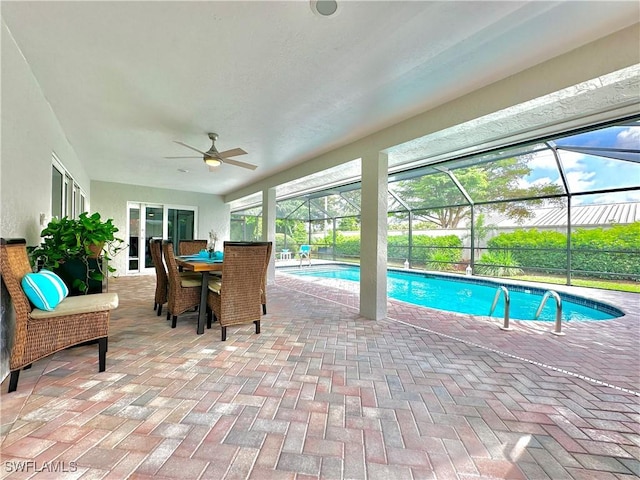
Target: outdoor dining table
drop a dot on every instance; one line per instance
(204, 265)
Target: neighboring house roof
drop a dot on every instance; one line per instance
(597, 215)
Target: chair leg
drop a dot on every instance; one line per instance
(264, 308)
(13, 381)
(102, 354)
(224, 333)
(159, 310)
(168, 314)
(209, 318)
(174, 321)
(155, 306)
(257, 322)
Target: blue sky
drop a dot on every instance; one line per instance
(590, 173)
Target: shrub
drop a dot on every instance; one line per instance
(602, 250)
(498, 264)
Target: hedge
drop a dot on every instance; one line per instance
(426, 249)
(604, 250)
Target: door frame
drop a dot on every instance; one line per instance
(142, 245)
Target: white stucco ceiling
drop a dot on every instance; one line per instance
(126, 79)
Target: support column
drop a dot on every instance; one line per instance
(269, 228)
(373, 237)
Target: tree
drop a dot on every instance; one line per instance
(349, 224)
(445, 205)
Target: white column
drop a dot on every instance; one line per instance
(269, 228)
(373, 237)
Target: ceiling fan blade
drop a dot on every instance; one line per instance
(234, 152)
(239, 164)
(189, 146)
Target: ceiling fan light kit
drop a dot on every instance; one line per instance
(214, 158)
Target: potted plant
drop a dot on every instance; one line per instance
(79, 250)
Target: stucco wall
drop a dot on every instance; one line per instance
(30, 133)
(110, 199)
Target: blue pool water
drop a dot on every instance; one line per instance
(472, 296)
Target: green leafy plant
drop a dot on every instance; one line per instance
(87, 237)
(498, 264)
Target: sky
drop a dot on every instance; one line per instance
(587, 173)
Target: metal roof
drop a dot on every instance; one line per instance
(581, 216)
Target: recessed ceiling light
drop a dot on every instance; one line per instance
(183, 170)
(324, 8)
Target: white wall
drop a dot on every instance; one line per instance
(110, 200)
(30, 133)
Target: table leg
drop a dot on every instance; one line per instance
(202, 313)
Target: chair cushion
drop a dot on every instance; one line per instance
(188, 282)
(95, 302)
(45, 290)
(215, 284)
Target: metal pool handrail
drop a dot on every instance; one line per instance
(507, 303)
(558, 325)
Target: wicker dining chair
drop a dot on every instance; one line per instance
(191, 247)
(236, 297)
(263, 287)
(162, 282)
(39, 333)
(184, 290)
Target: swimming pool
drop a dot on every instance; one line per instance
(469, 295)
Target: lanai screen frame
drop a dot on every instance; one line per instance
(444, 167)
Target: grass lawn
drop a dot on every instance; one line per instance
(622, 286)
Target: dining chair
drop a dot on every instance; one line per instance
(184, 290)
(236, 298)
(162, 282)
(59, 322)
(263, 287)
(191, 247)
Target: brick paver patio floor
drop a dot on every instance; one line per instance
(325, 393)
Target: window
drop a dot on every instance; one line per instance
(67, 198)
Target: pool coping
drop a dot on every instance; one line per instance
(612, 302)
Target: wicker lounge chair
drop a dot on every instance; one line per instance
(39, 333)
(191, 247)
(184, 290)
(236, 298)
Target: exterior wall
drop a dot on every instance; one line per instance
(30, 133)
(110, 200)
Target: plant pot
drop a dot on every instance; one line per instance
(96, 250)
(73, 269)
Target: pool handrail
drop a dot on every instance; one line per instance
(558, 325)
(507, 302)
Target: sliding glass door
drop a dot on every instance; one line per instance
(147, 221)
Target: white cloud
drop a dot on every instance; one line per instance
(544, 160)
(580, 181)
(524, 183)
(571, 160)
(629, 138)
(607, 198)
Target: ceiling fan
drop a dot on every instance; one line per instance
(213, 158)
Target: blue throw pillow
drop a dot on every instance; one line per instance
(44, 289)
